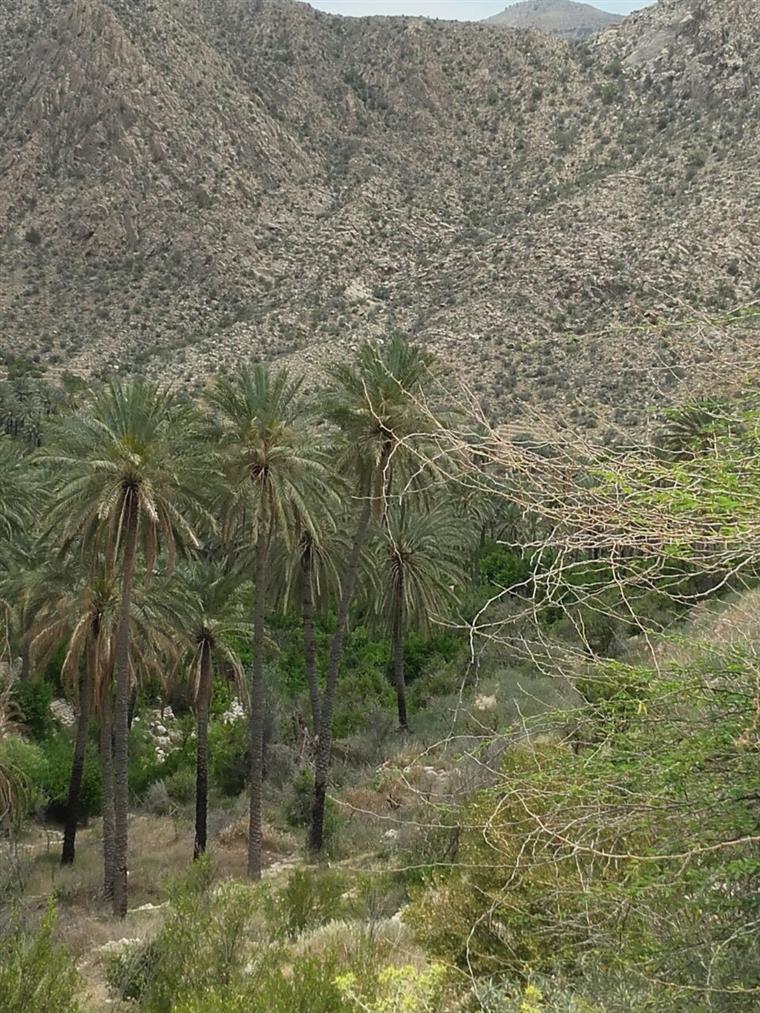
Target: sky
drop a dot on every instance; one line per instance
(460, 10)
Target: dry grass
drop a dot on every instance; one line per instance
(159, 849)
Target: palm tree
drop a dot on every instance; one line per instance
(17, 491)
(205, 610)
(20, 500)
(418, 568)
(78, 608)
(276, 479)
(77, 604)
(307, 577)
(131, 469)
(12, 782)
(375, 404)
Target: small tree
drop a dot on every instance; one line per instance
(205, 610)
(418, 569)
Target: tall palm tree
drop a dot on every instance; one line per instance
(78, 604)
(131, 470)
(205, 612)
(276, 479)
(418, 567)
(375, 403)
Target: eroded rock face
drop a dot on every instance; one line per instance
(184, 184)
(702, 52)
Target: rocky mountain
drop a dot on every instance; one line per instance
(564, 18)
(187, 182)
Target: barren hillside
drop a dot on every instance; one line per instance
(183, 183)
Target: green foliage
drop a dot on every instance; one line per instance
(592, 850)
(307, 985)
(207, 956)
(28, 765)
(58, 752)
(228, 756)
(33, 698)
(309, 898)
(199, 944)
(501, 566)
(37, 974)
(146, 767)
(298, 803)
(45, 770)
(398, 988)
(180, 785)
(238, 948)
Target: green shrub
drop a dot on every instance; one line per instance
(276, 985)
(146, 767)
(37, 973)
(130, 970)
(228, 756)
(310, 898)
(58, 751)
(201, 943)
(636, 851)
(28, 764)
(298, 803)
(33, 700)
(180, 786)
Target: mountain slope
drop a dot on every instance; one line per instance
(184, 183)
(564, 18)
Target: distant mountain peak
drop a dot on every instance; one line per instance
(564, 18)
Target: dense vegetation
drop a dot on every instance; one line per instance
(486, 711)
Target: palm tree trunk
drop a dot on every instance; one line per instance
(121, 716)
(398, 652)
(203, 706)
(309, 640)
(257, 709)
(26, 661)
(77, 764)
(106, 788)
(324, 740)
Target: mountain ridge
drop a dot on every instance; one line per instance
(567, 19)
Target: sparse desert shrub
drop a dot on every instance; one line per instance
(37, 973)
(280, 765)
(201, 943)
(130, 970)
(309, 898)
(157, 799)
(274, 984)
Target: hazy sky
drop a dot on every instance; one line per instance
(458, 9)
